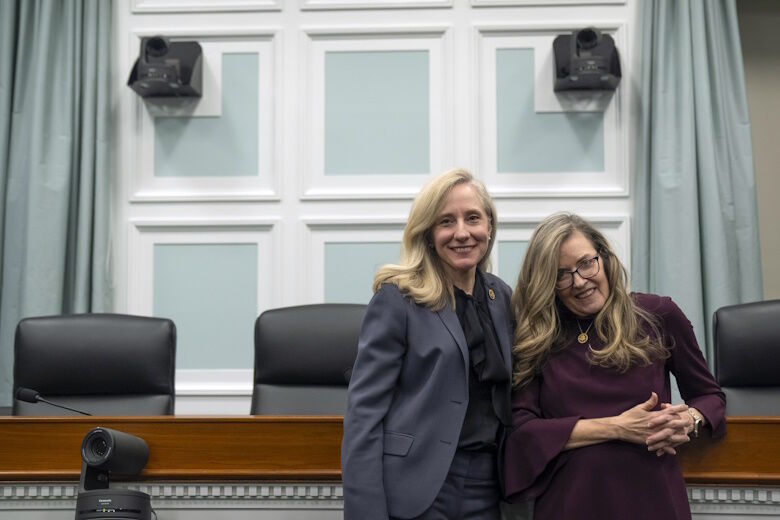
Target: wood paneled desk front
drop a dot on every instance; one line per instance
(272, 462)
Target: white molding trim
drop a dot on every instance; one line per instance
(731, 501)
(214, 392)
(542, 3)
(204, 223)
(381, 31)
(316, 41)
(196, 6)
(307, 5)
(184, 495)
(210, 383)
(229, 33)
(266, 184)
(351, 222)
(614, 180)
(734, 495)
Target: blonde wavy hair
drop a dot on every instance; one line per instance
(539, 330)
(420, 274)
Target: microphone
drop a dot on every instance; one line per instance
(28, 395)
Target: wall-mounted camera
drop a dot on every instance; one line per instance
(167, 69)
(586, 60)
(104, 453)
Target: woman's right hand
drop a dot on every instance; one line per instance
(640, 422)
(673, 433)
(637, 425)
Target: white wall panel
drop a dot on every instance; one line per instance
(145, 234)
(319, 40)
(319, 231)
(206, 390)
(292, 210)
(539, 36)
(262, 41)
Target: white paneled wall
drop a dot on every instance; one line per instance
(292, 208)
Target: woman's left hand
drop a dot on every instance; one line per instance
(671, 433)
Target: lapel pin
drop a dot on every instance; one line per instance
(491, 294)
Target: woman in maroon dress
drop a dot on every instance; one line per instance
(594, 433)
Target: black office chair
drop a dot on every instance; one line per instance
(304, 357)
(103, 364)
(747, 357)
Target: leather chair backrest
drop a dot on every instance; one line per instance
(103, 364)
(747, 357)
(304, 357)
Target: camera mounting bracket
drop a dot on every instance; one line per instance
(93, 478)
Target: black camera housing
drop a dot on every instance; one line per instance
(117, 503)
(109, 451)
(167, 69)
(106, 452)
(585, 60)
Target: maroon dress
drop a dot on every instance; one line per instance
(616, 479)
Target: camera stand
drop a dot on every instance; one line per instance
(106, 504)
(104, 452)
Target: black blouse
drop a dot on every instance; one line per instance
(480, 427)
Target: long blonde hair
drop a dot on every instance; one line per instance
(619, 324)
(420, 273)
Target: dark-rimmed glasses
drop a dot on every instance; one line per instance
(586, 269)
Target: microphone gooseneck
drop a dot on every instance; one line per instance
(29, 395)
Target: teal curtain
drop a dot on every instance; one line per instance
(54, 163)
(696, 219)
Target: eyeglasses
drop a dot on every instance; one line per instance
(586, 269)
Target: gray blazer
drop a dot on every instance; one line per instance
(407, 401)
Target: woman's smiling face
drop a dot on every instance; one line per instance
(462, 232)
(586, 296)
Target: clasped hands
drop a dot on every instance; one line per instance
(661, 430)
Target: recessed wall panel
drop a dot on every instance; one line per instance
(377, 112)
(530, 141)
(510, 258)
(226, 145)
(350, 268)
(210, 292)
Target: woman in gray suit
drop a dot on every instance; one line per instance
(430, 388)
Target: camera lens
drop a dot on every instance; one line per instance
(156, 46)
(99, 447)
(587, 38)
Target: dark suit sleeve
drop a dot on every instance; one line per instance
(381, 351)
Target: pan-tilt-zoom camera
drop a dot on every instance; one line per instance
(585, 60)
(104, 453)
(167, 69)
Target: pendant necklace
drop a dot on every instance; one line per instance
(582, 338)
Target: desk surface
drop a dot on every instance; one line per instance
(308, 448)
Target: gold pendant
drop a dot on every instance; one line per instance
(582, 338)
